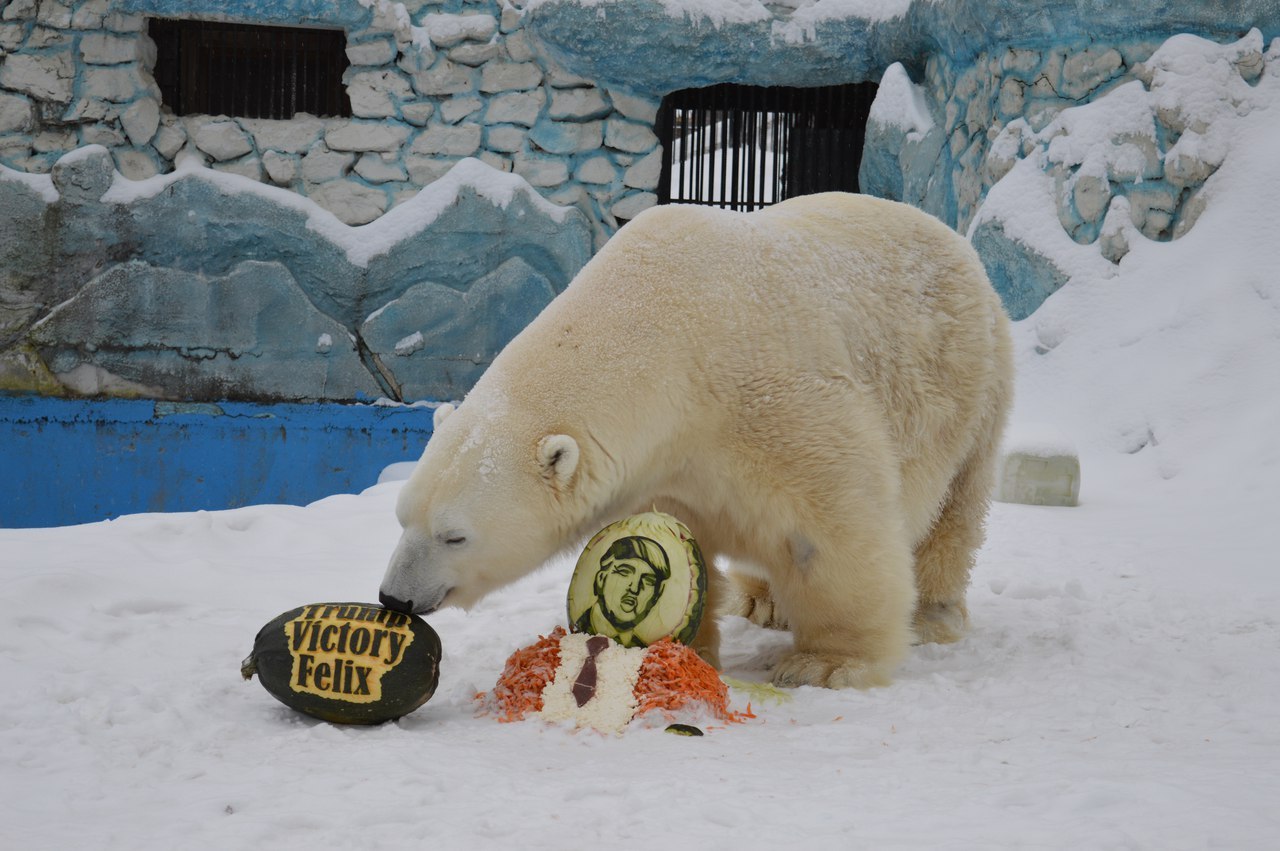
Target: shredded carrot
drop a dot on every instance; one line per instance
(673, 676)
(528, 670)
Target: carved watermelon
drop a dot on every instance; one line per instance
(639, 580)
(349, 663)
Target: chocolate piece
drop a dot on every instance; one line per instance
(584, 687)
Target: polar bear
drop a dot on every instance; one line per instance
(816, 389)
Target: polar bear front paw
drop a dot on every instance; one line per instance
(827, 670)
(940, 623)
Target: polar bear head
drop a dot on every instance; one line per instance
(486, 504)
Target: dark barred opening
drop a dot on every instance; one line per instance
(249, 71)
(746, 147)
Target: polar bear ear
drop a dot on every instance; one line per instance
(442, 413)
(558, 458)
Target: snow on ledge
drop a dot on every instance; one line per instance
(1038, 440)
(40, 183)
(717, 12)
(362, 243)
(802, 24)
(795, 22)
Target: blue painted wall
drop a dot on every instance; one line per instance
(75, 461)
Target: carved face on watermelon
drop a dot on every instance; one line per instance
(476, 510)
(630, 580)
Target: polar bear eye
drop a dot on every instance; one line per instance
(453, 539)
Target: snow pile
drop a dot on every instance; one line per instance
(1102, 136)
(408, 219)
(362, 243)
(901, 103)
(1197, 87)
(1104, 157)
(1173, 321)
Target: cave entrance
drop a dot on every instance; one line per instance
(746, 147)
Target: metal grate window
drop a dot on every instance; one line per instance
(247, 71)
(746, 147)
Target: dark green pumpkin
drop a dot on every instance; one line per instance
(349, 663)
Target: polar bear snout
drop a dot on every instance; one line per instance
(395, 603)
(413, 582)
(413, 604)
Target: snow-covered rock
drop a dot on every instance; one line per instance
(1155, 125)
(149, 323)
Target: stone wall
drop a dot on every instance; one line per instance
(943, 143)
(430, 83)
(564, 94)
(975, 110)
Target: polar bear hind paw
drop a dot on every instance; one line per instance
(710, 655)
(750, 598)
(940, 623)
(827, 670)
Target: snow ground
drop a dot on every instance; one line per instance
(1118, 688)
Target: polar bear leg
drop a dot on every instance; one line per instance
(945, 558)
(850, 611)
(707, 642)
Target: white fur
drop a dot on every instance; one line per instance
(817, 389)
(441, 414)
